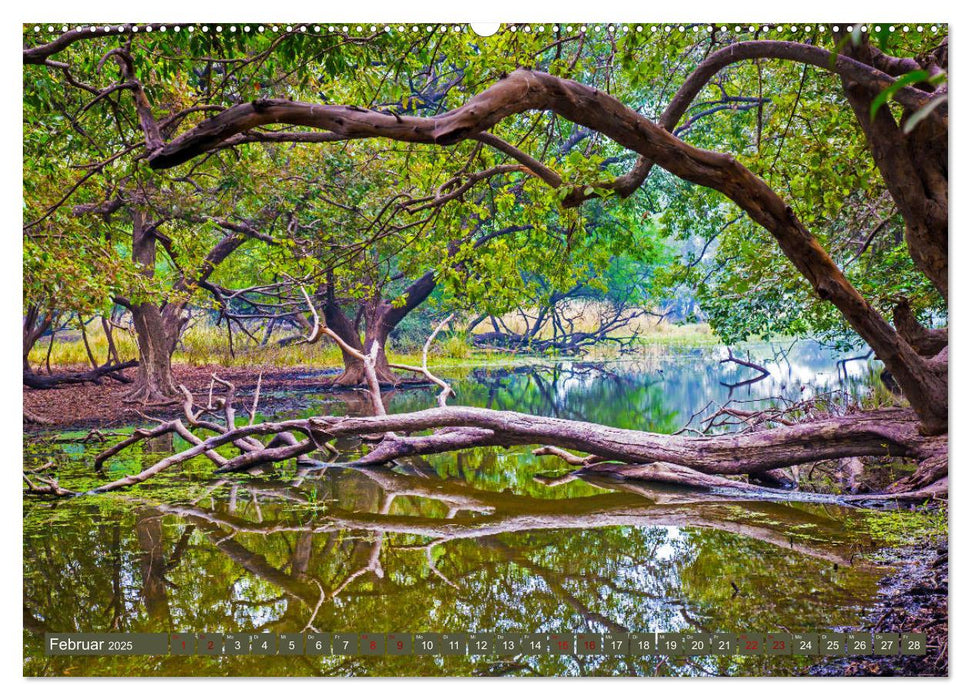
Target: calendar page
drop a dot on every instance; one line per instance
(566, 348)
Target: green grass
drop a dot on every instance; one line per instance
(687, 334)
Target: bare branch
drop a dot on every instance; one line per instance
(423, 370)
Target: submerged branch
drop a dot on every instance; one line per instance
(703, 461)
(695, 461)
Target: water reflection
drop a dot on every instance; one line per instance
(377, 551)
(661, 390)
(467, 542)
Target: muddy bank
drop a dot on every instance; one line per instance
(912, 599)
(102, 405)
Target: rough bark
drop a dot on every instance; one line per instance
(354, 373)
(157, 331)
(158, 327)
(379, 317)
(874, 433)
(914, 166)
(885, 432)
(930, 471)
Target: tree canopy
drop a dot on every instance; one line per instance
(802, 170)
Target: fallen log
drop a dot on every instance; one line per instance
(881, 432)
(112, 371)
(703, 461)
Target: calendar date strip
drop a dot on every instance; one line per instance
(486, 644)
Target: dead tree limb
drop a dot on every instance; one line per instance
(763, 372)
(704, 461)
(884, 432)
(113, 371)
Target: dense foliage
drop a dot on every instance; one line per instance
(371, 216)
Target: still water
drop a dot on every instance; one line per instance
(469, 542)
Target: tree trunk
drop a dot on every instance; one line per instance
(353, 374)
(36, 323)
(34, 326)
(883, 432)
(157, 331)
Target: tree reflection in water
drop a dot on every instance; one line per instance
(465, 542)
(351, 551)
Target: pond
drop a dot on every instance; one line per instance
(469, 542)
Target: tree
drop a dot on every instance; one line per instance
(903, 120)
(904, 165)
(389, 211)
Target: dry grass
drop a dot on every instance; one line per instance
(208, 345)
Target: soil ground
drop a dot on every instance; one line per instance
(914, 598)
(102, 405)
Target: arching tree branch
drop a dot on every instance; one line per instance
(525, 90)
